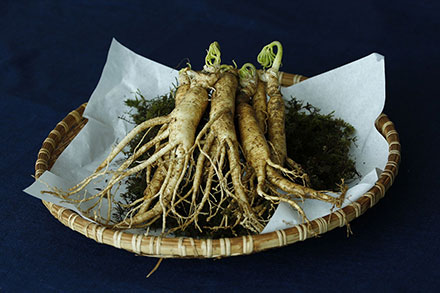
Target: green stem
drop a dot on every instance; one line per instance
(247, 71)
(212, 59)
(267, 57)
(225, 67)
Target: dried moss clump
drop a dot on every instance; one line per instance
(321, 144)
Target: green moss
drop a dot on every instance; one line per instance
(146, 109)
(320, 143)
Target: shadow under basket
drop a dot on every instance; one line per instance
(181, 247)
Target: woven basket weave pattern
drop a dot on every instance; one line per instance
(67, 129)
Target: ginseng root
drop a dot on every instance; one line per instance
(220, 156)
(176, 141)
(165, 184)
(258, 156)
(276, 110)
(259, 103)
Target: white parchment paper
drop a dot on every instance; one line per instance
(355, 92)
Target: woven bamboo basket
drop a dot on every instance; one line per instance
(185, 247)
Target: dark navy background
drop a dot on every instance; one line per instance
(51, 57)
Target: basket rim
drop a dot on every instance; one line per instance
(187, 247)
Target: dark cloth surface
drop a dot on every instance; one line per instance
(51, 57)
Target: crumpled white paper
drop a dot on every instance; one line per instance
(355, 92)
